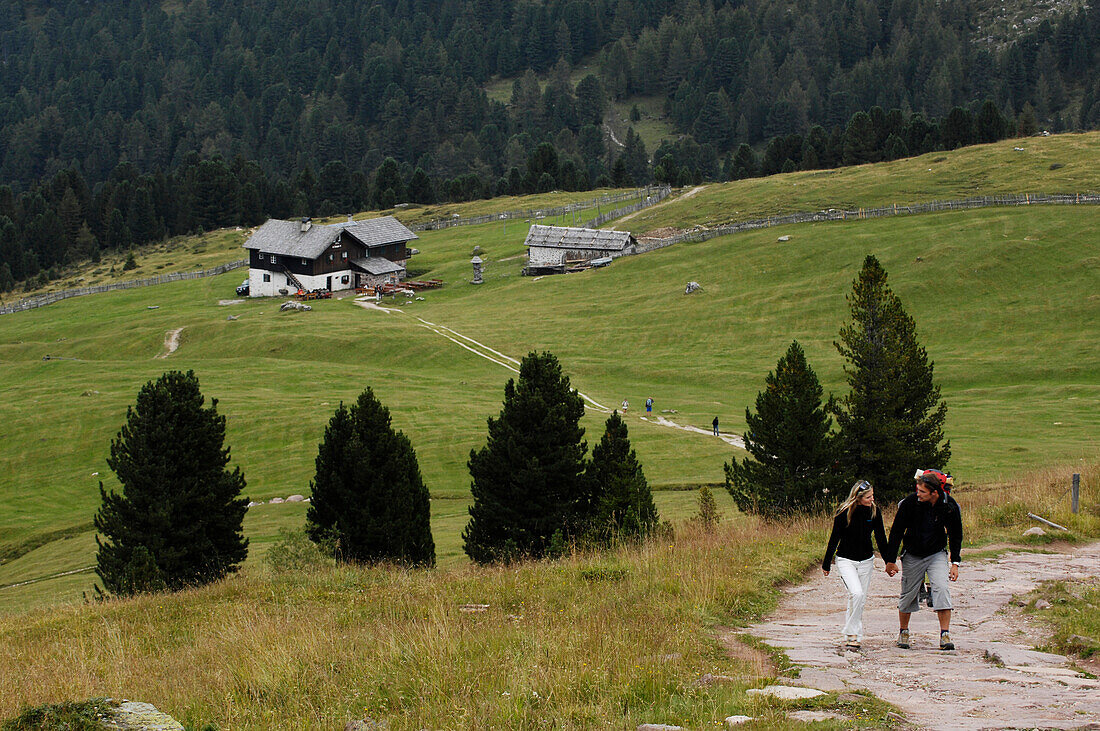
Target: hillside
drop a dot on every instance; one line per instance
(1019, 278)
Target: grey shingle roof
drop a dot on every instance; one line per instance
(286, 237)
(561, 237)
(377, 265)
(379, 231)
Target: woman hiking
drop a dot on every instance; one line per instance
(856, 519)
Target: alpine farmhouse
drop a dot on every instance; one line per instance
(287, 256)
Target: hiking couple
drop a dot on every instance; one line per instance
(928, 523)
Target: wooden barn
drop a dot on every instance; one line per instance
(555, 249)
(285, 256)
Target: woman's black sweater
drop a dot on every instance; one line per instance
(853, 540)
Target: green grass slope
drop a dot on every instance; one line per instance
(1005, 301)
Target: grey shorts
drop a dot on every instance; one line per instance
(913, 569)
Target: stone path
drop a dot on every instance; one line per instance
(995, 679)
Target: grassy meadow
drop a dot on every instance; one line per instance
(1005, 300)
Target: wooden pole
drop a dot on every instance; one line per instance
(1033, 516)
(1076, 499)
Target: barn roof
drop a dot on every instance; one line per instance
(288, 239)
(562, 237)
(377, 265)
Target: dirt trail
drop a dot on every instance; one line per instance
(171, 342)
(995, 678)
(665, 202)
(510, 363)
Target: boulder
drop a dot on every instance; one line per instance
(275, 501)
(732, 721)
(814, 716)
(135, 716)
(1042, 604)
(292, 305)
(1036, 531)
(786, 692)
(784, 238)
(659, 727)
(296, 498)
(692, 287)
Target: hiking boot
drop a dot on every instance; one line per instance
(852, 643)
(903, 639)
(945, 641)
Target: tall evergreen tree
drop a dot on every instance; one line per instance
(892, 420)
(621, 502)
(528, 485)
(178, 520)
(369, 498)
(792, 464)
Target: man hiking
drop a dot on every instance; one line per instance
(928, 523)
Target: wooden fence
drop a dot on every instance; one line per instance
(832, 214)
(534, 213)
(51, 297)
(651, 199)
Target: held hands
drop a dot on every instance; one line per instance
(892, 569)
(825, 572)
(953, 574)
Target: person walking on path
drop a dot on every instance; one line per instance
(626, 405)
(855, 522)
(648, 405)
(715, 425)
(928, 524)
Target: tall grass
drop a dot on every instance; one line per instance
(589, 641)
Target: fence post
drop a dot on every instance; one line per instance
(1075, 501)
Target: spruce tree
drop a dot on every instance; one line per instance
(178, 520)
(791, 467)
(892, 420)
(369, 499)
(528, 486)
(621, 502)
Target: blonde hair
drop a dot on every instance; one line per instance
(852, 501)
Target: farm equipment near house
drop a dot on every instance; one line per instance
(314, 294)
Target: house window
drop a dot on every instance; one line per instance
(272, 258)
(267, 277)
(305, 262)
(345, 255)
(344, 279)
(330, 257)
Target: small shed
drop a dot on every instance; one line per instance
(554, 249)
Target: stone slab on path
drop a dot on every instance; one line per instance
(995, 678)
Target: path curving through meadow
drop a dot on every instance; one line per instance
(171, 342)
(506, 361)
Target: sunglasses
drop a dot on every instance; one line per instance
(863, 486)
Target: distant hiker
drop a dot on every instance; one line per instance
(626, 405)
(929, 523)
(715, 425)
(857, 519)
(648, 405)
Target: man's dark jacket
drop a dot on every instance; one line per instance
(925, 529)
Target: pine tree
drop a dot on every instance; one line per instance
(369, 499)
(792, 457)
(178, 520)
(707, 516)
(892, 420)
(621, 502)
(527, 479)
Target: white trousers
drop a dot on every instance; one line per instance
(857, 580)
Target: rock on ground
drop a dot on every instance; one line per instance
(135, 716)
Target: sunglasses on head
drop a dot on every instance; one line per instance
(863, 486)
